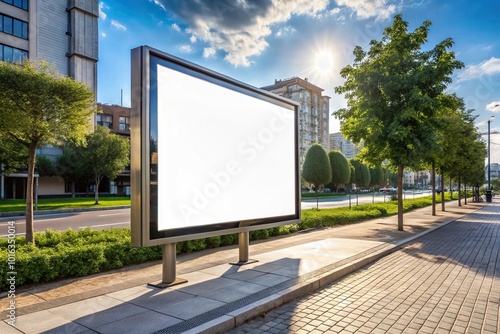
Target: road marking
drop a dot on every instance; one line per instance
(104, 225)
(43, 220)
(6, 235)
(113, 214)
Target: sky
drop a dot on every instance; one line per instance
(258, 41)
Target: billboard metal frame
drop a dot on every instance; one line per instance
(143, 88)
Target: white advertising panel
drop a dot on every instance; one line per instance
(216, 156)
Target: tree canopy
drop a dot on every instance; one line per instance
(316, 168)
(341, 172)
(38, 106)
(392, 92)
(105, 155)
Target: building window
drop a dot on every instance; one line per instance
(23, 4)
(105, 120)
(13, 26)
(124, 123)
(11, 54)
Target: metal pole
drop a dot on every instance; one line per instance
(349, 201)
(489, 151)
(36, 193)
(169, 258)
(244, 244)
(168, 276)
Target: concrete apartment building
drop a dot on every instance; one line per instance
(65, 34)
(314, 111)
(339, 143)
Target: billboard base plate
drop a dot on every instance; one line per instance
(242, 263)
(163, 285)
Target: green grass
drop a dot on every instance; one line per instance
(11, 205)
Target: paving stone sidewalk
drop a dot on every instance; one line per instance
(447, 281)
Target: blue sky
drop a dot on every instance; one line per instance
(262, 40)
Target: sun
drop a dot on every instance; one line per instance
(323, 62)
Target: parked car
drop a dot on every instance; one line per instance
(388, 190)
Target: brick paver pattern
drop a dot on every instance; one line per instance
(448, 281)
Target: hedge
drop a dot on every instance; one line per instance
(60, 254)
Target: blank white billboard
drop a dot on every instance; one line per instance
(217, 156)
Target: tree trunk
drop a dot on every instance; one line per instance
(73, 189)
(459, 196)
(96, 192)
(442, 192)
(433, 180)
(451, 190)
(30, 227)
(400, 198)
(465, 193)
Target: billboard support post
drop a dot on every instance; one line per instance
(169, 272)
(243, 245)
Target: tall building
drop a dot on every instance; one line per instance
(314, 111)
(62, 32)
(339, 143)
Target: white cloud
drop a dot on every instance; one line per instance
(487, 67)
(239, 28)
(208, 52)
(102, 15)
(103, 34)
(285, 31)
(118, 25)
(380, 9)
(185, 48)
(193, 38)
(335, 11)
(158, 3)
(494, 106)
(176, 27)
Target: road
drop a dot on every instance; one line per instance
(76, 220)
(121, 217)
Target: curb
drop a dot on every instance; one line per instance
(49, 212)
(240, 316)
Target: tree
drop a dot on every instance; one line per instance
(341, 172)
(106, 155)
(316, 168)
(362, 173)
(12, 154)
(392, 94)
(377, 176)
(38, 106)
(45, 166)
(70, 165)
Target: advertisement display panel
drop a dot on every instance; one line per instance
(210, 155)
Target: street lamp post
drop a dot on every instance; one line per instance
(488, 192)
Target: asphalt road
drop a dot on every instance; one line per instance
(121, 217)
(76, 220)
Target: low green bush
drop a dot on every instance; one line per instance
(69, 253)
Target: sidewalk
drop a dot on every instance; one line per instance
(218, 296)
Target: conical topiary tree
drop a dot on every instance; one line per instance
(316, 168)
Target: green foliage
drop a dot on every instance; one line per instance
(377, 176)
(362, 173)
(38, 107)
(45, 166)
(316, 169)
(105, 155)
(341, 172)
(13, 155)
(71, 166)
